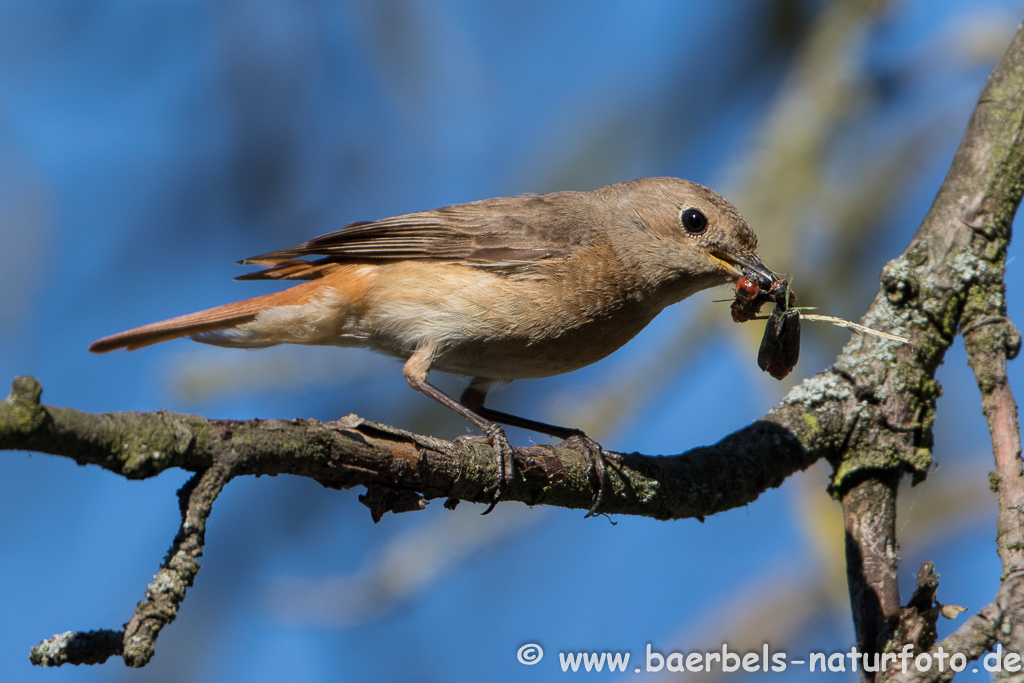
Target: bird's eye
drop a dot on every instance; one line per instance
(694, 221)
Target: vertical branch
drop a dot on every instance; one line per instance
(989, 336)
(990, 341)
(965, 235)
(869, 518)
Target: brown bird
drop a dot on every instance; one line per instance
(497, 290)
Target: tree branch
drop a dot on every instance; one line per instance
(975, 636)
(398, 468)
(978, 201)
(869, 516)
(353, 452)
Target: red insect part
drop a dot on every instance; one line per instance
(748, 301)
(746, 289)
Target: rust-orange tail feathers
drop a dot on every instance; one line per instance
(210, 320)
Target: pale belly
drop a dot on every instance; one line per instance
(485, 325)
(510, 357)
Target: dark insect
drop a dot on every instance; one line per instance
(749, 299)
(780, 345)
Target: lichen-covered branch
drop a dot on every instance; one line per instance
(968, 230)
(399, 470)
(991, 339)
(76, 647)
(136, 642)
(924, 294)
(353, 452)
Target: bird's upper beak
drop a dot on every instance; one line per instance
(747, 265)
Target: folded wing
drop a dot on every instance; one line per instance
(492, 233)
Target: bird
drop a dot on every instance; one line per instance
(496, 290)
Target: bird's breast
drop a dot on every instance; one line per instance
(544, 320)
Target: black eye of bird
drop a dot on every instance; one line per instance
(694, 221)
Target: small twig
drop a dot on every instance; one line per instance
(179, 569)
(163, 596)
(973, 638)
(78, 647)
(839, 322)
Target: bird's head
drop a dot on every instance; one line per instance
(690, 237)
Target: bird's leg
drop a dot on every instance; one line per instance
(416, 371)
(475, 395)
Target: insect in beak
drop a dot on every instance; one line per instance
(780, 345)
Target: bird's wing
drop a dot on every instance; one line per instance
(504, 232)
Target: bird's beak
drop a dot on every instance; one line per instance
(748, 265)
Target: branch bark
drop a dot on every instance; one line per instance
(353, 452)
(979, 199)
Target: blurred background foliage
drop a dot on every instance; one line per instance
(144, 147)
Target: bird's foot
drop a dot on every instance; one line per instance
(598, 465)
(504, 459)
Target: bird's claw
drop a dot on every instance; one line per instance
(504, 459)
(598, 465)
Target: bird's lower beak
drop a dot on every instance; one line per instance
(749, 265)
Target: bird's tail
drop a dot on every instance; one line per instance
(218, 325)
